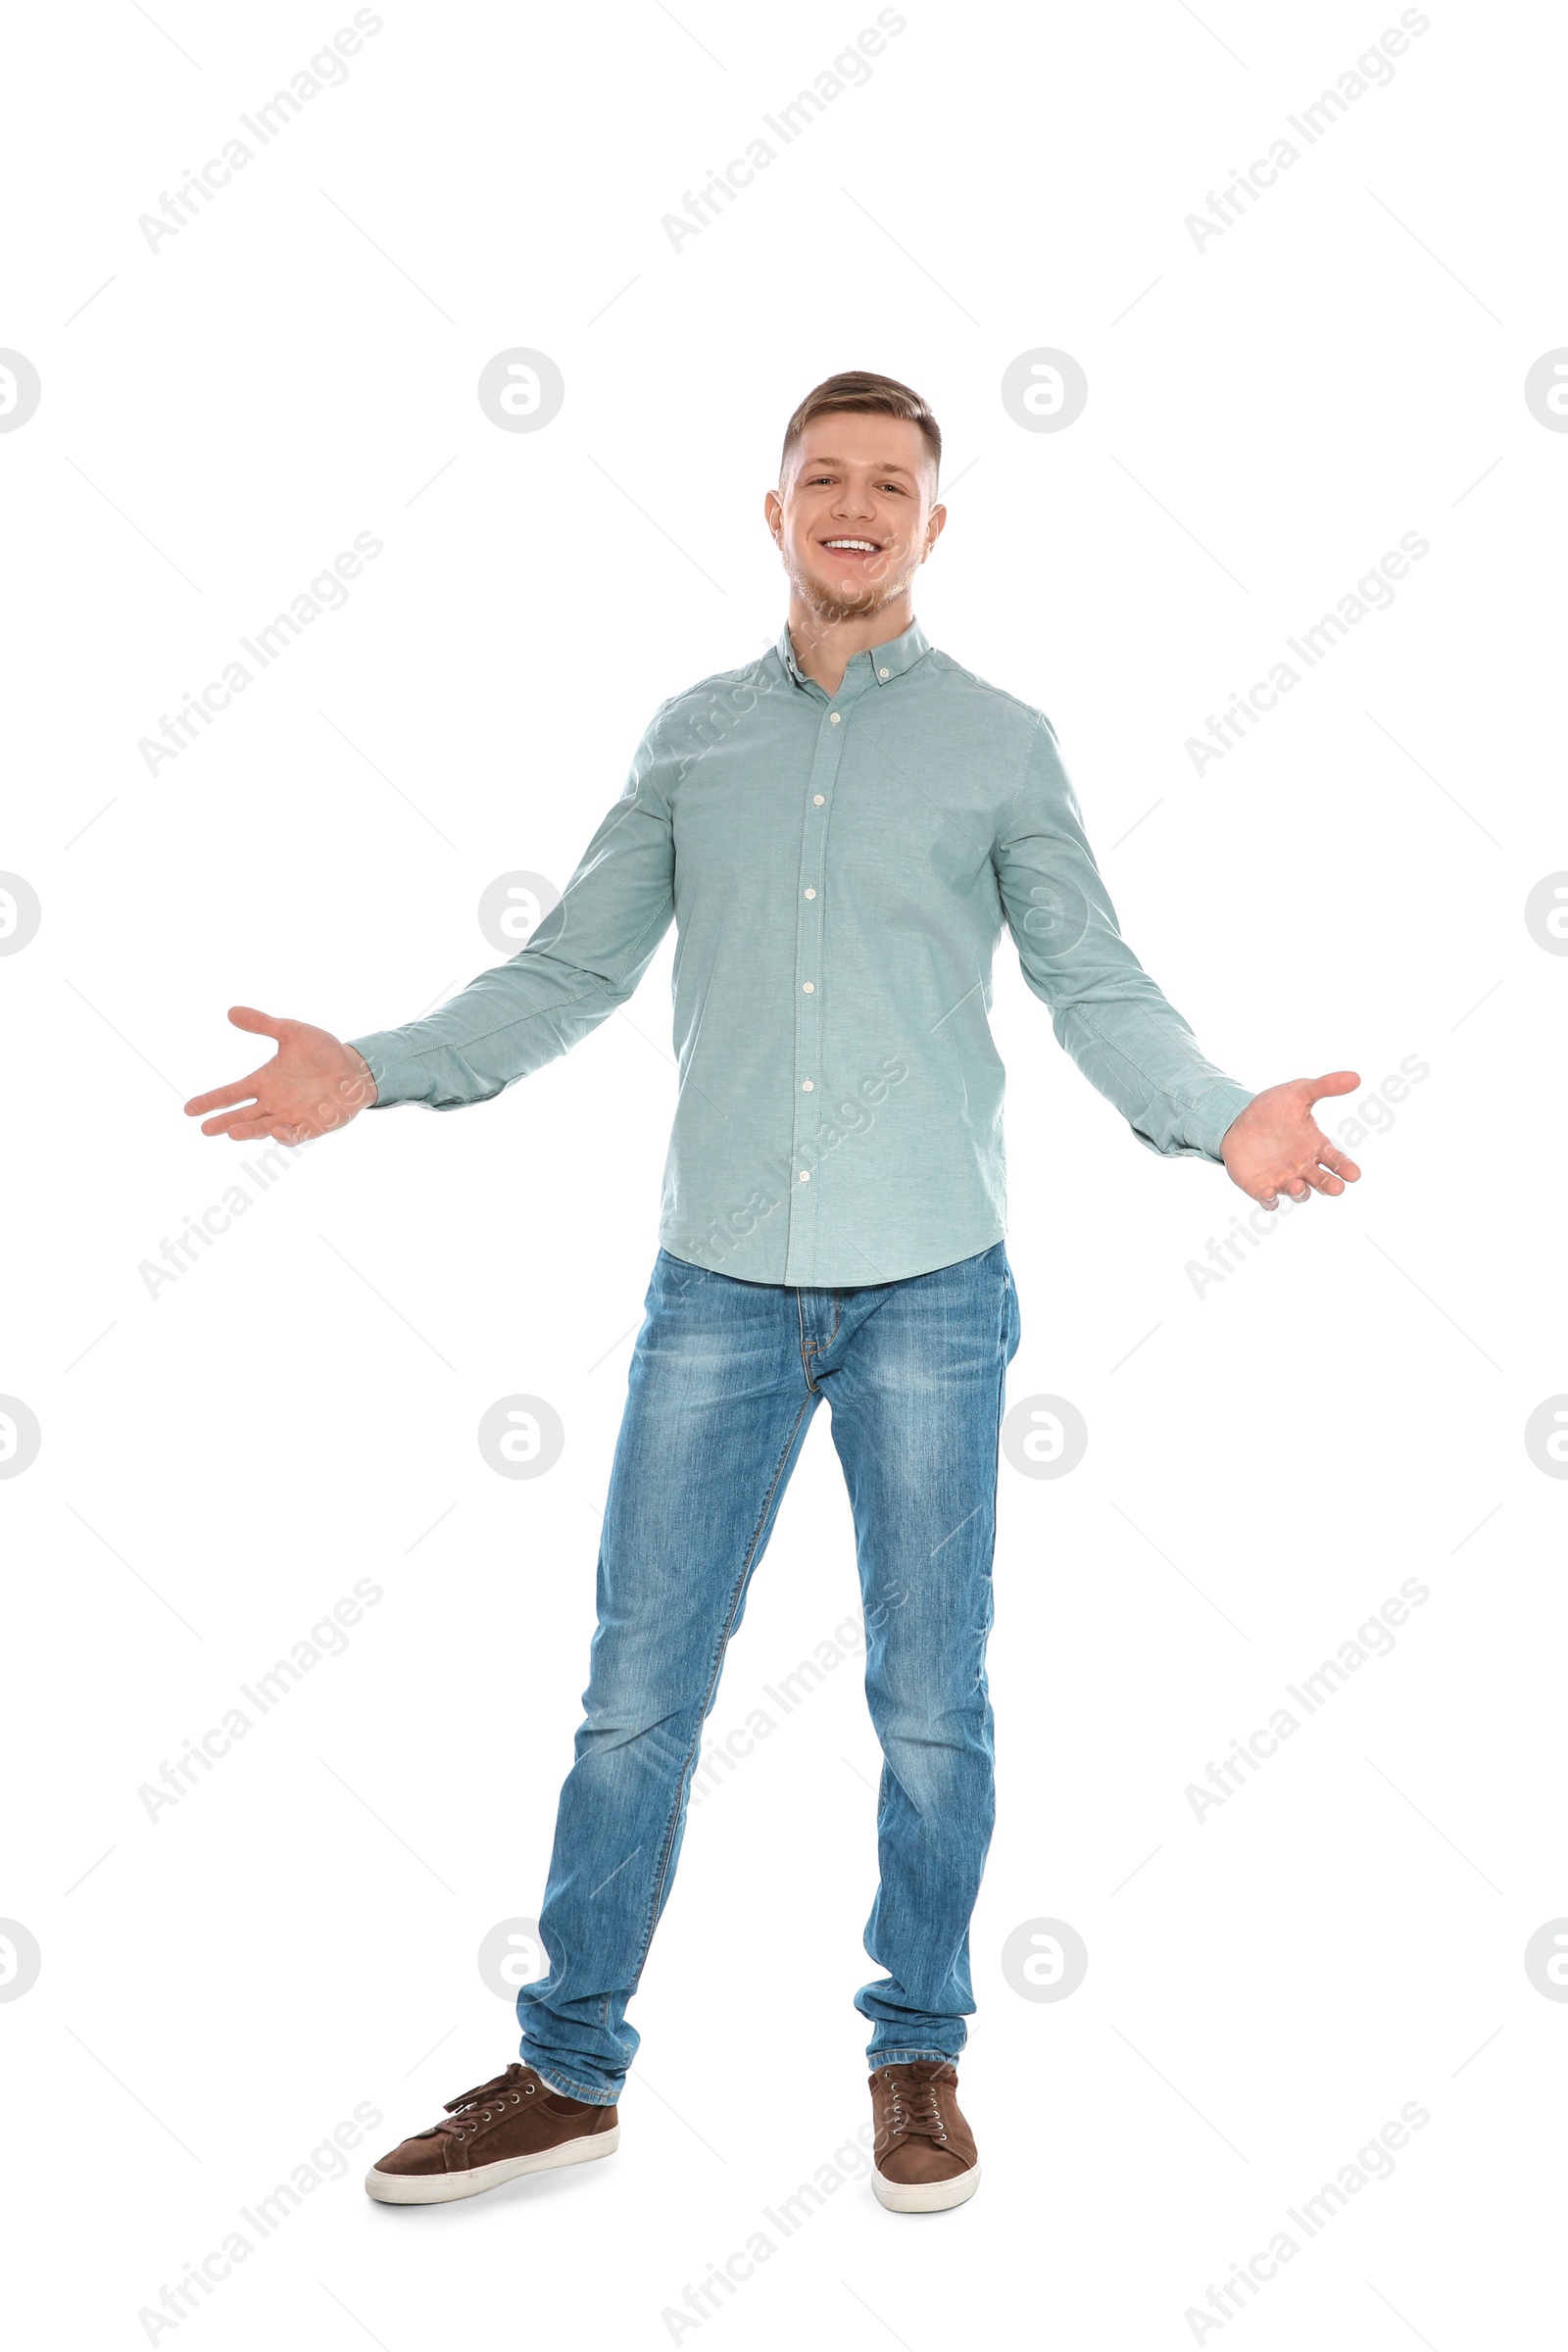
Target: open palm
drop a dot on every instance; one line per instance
(313, 1084)
(1276, 1146)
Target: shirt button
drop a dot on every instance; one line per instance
(809, 987)
(805, 1175)
(832, 718)
(884, 673)
(807, 1086)
(810, 891)
(816, 800)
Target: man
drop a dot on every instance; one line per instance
(839, 830)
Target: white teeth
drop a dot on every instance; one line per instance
(869, 545)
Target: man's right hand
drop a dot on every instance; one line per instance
(313, 1084)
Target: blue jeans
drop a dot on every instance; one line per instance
(725, 1376)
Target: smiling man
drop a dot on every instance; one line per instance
(840, 830)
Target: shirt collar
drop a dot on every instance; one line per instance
(888, 662)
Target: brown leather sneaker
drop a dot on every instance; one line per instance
(514, 2124)
(924, 2151)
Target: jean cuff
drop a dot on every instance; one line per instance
(569, 2089)
(913, 2058)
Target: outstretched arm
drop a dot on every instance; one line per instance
(1122, 1031)
(583, 959)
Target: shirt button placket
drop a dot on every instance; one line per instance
(809, 996)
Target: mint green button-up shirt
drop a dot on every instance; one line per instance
(839, 870)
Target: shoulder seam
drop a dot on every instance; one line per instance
(741, 672)
(999, 692)
(1040, 721)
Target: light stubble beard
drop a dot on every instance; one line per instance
(823, 605)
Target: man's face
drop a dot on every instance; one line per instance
(853, 518)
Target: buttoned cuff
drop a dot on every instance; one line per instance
(398, 1073)
(1206, 1125)
(1203, 1127)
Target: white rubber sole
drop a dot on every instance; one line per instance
(925, 2196)
(440, 2188)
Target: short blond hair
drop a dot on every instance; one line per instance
(863, 394)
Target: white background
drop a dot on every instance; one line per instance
(220, 1463)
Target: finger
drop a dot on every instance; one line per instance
(265, 1024)
(1324, 1180)
(223, 1098)
(230, 1124)
(1338, 1082)
(248, 1131)
(1331, 1156)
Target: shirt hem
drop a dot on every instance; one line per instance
(844, 1280)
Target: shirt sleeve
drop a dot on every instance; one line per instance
(1112, 1019)
(583, 959)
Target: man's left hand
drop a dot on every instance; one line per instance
(1276, 1146)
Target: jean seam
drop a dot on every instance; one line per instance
(807, 1346)
(906, 2057)
(996, 1476)
(663, 1870)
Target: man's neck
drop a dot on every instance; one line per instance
(824, 648)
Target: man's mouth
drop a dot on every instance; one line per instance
(857, 549)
